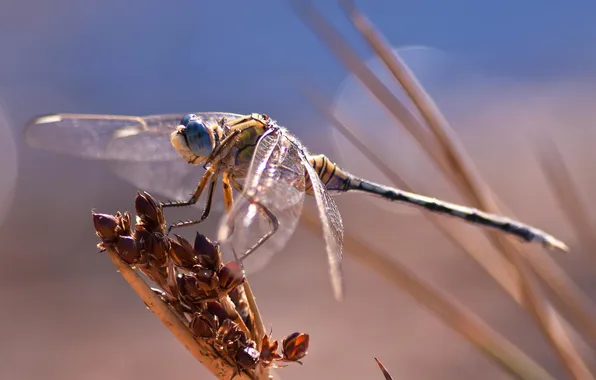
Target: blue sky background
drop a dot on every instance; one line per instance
(144, 57)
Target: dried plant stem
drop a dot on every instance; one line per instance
(455, 164)
(229, 307)
(348, 56)
(565, 188)
(425, 104)
(482, 198)
(252, 303)
(459, 170)
(202, 351)
(495, 346)
(384, 370)
(496, 265)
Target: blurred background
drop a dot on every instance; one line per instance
(502, 72)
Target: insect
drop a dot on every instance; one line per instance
(261, 160)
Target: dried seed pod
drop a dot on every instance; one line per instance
(230, 337)
(247, 357)
(106, 226)
(208, 253)
(127, 250)
(204, 325)
(230, 276)
(269, 351)
(206, 279)
(238, 297)
(196, 287)
(220, 310)
(182, 253)
(124, 223)
(295, 347)
(149, 213)
(154, 247)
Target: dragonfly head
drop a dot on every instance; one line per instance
(193, 139)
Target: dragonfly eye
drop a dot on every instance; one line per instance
(186, 119)
(199, 138)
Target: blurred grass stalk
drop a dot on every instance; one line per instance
(518, 265)
(202, 351)
(565, 188)
(384, 370)
(456, 315)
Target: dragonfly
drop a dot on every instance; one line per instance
(263, 162)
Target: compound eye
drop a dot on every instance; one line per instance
(187, 118)
(199, 138)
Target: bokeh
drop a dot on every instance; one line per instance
(501, 72)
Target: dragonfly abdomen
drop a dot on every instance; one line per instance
(471, 215)
(331, 175)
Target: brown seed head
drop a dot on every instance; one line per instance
(124, 223)
(106, 226)
(149, 213)
(295, 347)
(269, 351)
(204, 325)
(183, 253)
(247, 357)
(208, 252)
(126, 248)
(216, 308)
(154, 247)
(230, 276)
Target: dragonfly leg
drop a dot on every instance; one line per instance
(206, 209)
(274, 226)
(228, 183)
(196, 194)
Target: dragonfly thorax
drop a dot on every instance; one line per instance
(193, 139)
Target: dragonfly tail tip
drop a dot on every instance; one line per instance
(551, 242)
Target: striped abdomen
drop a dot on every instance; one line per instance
(331, 175)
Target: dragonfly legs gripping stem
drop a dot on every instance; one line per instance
(196, 194)
(206, 209)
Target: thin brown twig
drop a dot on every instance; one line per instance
(327, 34)
(462, 320)
(384, 370)
(537, 305)
(565, 188)
(259, 324)
(482, 198)
(497, 266)
(203, 352)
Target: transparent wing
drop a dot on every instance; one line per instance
(275, 181)
(333, 230)
(111, 137)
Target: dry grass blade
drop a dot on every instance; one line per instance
(327, 34)
(428, 109)
(495, 346)
(204, 353)
(384, 370)
(482, 198)
(259, 324)
(498, 267)
(565, 189)
(464, 172)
